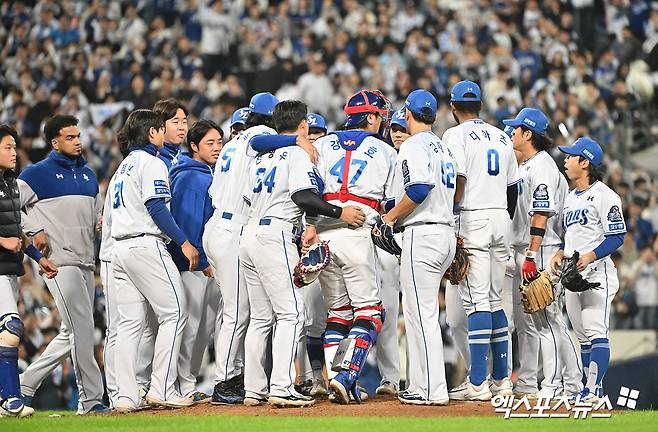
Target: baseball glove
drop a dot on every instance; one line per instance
(382, 237)
(537, 294)
(571, 278)
(460, 265)
(311, 264)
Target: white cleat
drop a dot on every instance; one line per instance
(387, 388)
(319, 388)
(501, 388)
(175, 402)
(15, 407)
(408, 398)
(253, 401)
(466, 391)
(295, 401)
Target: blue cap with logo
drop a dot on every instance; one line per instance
(531, 118)
(421, 102)
(509, 130)
(587, 148)
(316, 121)
(263, 103)
(239, 116)
(461, 92)
(399, 118)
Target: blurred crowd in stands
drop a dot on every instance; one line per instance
(591, 65)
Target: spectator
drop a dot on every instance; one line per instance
(644, 273)
(643, 233)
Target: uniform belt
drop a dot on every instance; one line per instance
(279, 223)
(233, 217)
(401, 229)
(344, 197)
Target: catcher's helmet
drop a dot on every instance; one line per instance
(365, 102)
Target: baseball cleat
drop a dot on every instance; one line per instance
(466, 391)
(409, 398)
(305, 387)
(387, 388)
(27, 400)
(293, 401)
(175, 402)
(199, 397)
(124, 409)
(15, 407)
(339, 393)
(319, 388)
(502, 387)
(530, 396)
(97, 409)
(253, 401)
(588, 397)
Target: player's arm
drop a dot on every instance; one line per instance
(512, 197)
(309, 201)
(406, 206)
(47, 267)
(460, 188)
(417, 182)
(538, 223)
(30, 221)
(266, 143)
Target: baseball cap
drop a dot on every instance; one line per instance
(263, 103)
(532, 118)
(458, 92)
(421, 102)
(239, 116)
(587, 148)
(509, 130)
(316, 121)
(399, 118)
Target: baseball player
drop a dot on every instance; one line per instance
(62, 204)
(141, 224)
(425, 180)
(594, 226)
(356, 168)
(317, 126)
(221, 243)
(399, 132)
(282, 185)
(13, 244)
(238, 119)
(537, 230)
(190, 176)
(486, 194)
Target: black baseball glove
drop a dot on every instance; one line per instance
(382, 237)
(571, 278)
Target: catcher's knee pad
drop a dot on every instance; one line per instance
(370, 316)
(11, 329)
(339, 321)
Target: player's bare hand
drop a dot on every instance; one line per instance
(556, 261)
(47, 268)
(309, 148)
(191, 253)
(309, 238)
(99, 226)
(42, 243)
(207, 272)
(12, 244)
(353, 216)
(584, 260)
(388, 220)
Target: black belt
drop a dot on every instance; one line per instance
(401, 229)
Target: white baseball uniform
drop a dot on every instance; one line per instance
(221, 242)
(428, 247)
(543, 189)
(268, 255)
(361, 175)
(145, 275)
(388, 348)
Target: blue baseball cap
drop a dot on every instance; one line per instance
(509, 130)
(458, 92)
(399, 118)
(421, 102)
(587, 148)
(240, 116)
(532, 118)
(316, 121)
(263, 103)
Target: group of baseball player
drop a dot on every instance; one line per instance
(289, 245)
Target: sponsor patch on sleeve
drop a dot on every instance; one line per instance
(541, 193)
(614, 215)
(405, 172)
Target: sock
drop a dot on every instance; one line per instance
(499, 345)
(315, 355)
(585, 351)
(9, 383)
(598, 363)
(479, 337)
(333, 334)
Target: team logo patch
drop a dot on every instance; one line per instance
(541, 193)
(405, 172)
(614, 215)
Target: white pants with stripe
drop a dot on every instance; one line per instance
(73, 290)
(427, 251)
(387, 348)
(146, 276)
(112, 318)
(268, 255)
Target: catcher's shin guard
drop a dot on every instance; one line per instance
(336, 330)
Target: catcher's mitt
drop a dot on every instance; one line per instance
(537, 294)
(382, 237)
(571, 278)
(460, 265)
(311, 264)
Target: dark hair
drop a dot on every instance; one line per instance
(167, 108)
(135, 132)
(199, 130)
(539, 141)
(6, 130)
(468, 106)
(594, 173)
(255, 119)
(423, 118)
(363, 124)
(288, 115)
(56, 123)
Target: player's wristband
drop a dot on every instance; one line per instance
(531, 255)
(536, 231)
(33, 253)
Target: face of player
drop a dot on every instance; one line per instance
(68, 142)
(574, 167)
(398, 135)
(157, 136)
(176, 128)
(207, 151)
(7, 152)
(312, 136)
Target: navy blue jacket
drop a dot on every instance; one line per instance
(168, 154)
(190, 205)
